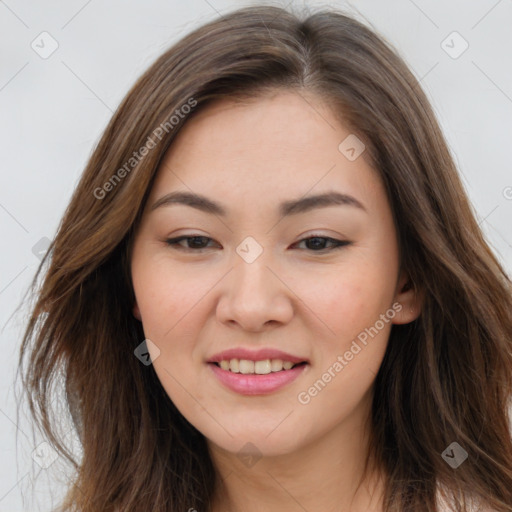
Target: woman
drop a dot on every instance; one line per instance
(270, 282)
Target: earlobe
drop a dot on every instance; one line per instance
(410, 300)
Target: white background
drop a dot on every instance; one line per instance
(54, 110)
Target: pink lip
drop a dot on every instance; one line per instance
(255, 355)
(257, 384)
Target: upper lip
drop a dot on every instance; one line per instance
(254, 355)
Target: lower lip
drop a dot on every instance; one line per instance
(256, 384)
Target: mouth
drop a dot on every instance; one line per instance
(256, 372)
(263, 377)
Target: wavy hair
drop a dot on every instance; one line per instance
(445, 377)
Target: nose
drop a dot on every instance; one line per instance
(254, 296)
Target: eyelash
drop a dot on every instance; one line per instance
(174, 243)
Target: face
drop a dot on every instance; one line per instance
(262, 270)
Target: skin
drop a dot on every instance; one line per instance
(295, 297)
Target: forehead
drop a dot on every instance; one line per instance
(288, 121)
(282, 144)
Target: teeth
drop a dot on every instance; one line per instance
(246, 366)
(262, 367)
(276, 365)
(256, 367)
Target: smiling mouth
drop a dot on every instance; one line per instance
(263, 367)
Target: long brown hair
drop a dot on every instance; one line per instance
(446, 377)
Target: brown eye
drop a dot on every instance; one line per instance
(318, 243)
(194, 243)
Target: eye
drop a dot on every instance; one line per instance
(318, 243)
(196, 243)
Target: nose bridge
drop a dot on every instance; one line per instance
(251, 273)
(254, 295)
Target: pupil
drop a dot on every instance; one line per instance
(319, 242)
(195, 239)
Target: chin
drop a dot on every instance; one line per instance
(256, 443)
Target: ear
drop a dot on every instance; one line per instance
(409, 298)
(136, 311)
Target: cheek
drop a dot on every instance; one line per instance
(347, 355)
(351, 337)
(167, 295)
(346, 301)
(170, 302)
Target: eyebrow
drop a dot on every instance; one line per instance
(292, 207)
